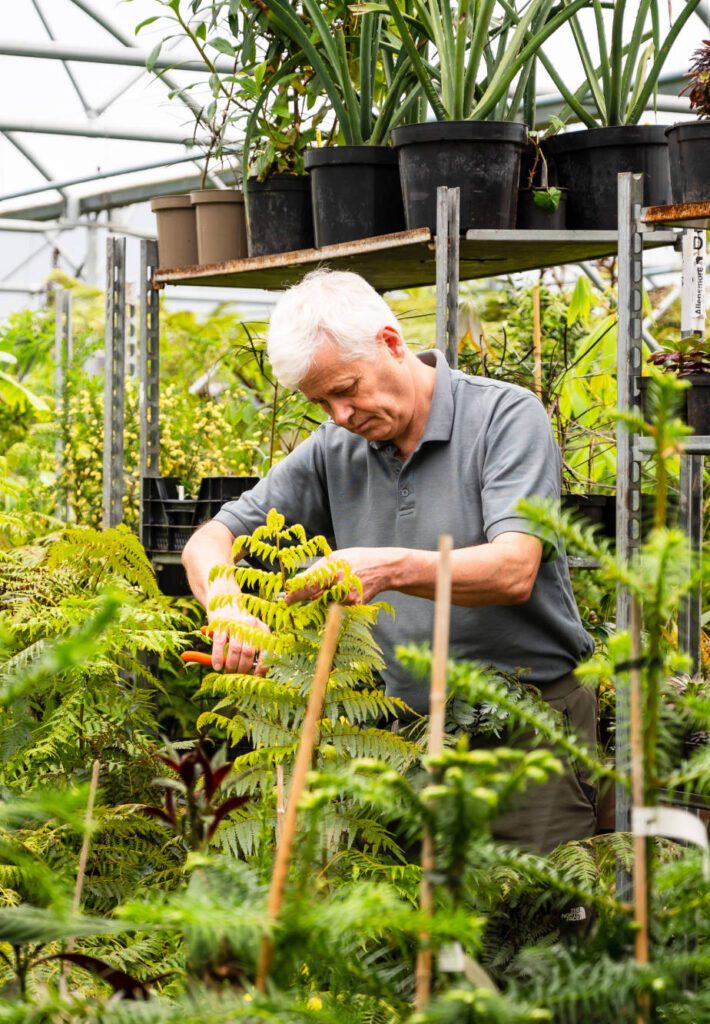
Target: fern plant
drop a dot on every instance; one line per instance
(267, 713)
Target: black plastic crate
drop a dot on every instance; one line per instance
(168, 520)
(216, 490)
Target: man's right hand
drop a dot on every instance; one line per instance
(210, 546)
(230, 652)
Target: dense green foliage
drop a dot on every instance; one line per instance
(168, 913)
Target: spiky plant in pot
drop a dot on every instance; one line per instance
(698, 88)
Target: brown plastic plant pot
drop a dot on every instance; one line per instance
(221, 225)
(177, 234)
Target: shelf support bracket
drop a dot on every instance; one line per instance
(628, 468)
(114, 380)
(148, 368)
(62, 363)
(448, 218)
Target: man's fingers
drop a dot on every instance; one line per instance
(218, 642)
(307, 593)
(240, 657)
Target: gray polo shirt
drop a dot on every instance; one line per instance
(485, 446)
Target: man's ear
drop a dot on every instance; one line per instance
(391, 337)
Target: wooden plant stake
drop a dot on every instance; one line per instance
(638, 799)
(300, 770)
(437, 709)
(537, 341)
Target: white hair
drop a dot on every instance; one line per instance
(333, 306)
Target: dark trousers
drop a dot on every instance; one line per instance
(564, 807)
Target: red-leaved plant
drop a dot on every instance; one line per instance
(192, 806)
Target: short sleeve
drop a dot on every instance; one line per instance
(522, 461)
(295, 487)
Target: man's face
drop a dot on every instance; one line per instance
(373, 398)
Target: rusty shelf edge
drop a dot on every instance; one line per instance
(283, 260)
(690, 215)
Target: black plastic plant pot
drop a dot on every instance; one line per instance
(279, 214)
(698, 396)
(689, 154)
(355, 192)
(643, 386)
(533, 217)
(482, 158)
(593, 510)
(588, 162)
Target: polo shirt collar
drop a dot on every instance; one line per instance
(440, 422)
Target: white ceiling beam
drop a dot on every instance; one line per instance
(128, 57)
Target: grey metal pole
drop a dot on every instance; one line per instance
(24, 125)
(32, 159)
(62, 362)
(70, 75)
(692, 323)
(114, 374)
(148, 371)
(448, 205)
(100, 175)
(691, 522)
(628, 469)
(128, 57)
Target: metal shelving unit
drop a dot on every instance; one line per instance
(413, 258)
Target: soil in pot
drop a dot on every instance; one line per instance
(221, 225)
(355, 193)
(481, 158)
(588, 162)
(279, 214)
(689, 155)
(533, 217)
(177, 232)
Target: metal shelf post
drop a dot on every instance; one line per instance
(628, 469)
(148, 367)
(114, 381)
(62, 362)
(448, 206)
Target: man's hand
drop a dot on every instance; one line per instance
(374, 567)
(229, 651)
(500, 572)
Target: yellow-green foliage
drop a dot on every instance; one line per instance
(268, 712)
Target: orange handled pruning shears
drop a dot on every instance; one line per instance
(199, 657)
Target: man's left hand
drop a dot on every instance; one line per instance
(372, 566)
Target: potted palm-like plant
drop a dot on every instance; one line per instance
(367, 78)
(619, 81)
(208, 225)
(689, 143)
(478, 51)
(286, 110)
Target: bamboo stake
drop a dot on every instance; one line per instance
(437, 709)
(537, 341)
(640, 873)
(83, 859)
(300, 770)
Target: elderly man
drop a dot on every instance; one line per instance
(410, 450)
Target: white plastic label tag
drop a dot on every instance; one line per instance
(673, 823)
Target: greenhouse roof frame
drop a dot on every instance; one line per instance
(54, 199)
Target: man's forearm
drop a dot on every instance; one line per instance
(499, 573)
(211, 545)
